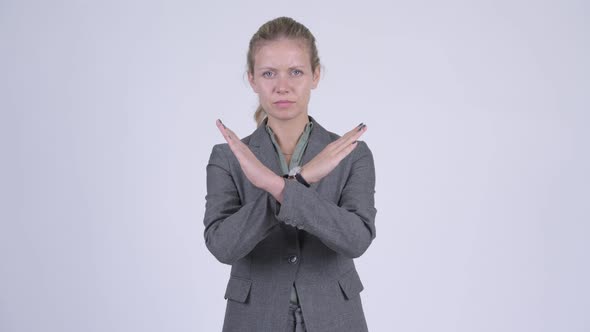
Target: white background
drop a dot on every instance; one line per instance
(478, 118)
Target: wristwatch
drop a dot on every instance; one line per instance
(295, 173)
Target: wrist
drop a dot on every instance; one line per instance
(305, 175)
(275, 187)
(295, 173)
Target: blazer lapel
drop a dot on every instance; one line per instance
(318, 139)
(264, 150)
(262, 147)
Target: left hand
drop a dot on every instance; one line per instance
(325, 161)
(258, 174)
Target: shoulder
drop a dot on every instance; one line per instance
(220, 149)
(221, 152)
(362, 152)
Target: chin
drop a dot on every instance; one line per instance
(284, 115)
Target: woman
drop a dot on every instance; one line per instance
(291, 205)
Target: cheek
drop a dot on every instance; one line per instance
(306, 86)
(266, 89)
(305, 89)
(265, 92)
(265, 95)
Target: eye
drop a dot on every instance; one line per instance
(297, 72)
(267, 74)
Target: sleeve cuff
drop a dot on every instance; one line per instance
(293, 194)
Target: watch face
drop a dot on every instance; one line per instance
(294, 170)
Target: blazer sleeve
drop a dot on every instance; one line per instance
(232, 229)
(347, 227)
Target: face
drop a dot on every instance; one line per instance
(283, 79)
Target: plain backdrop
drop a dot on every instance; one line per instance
(478, 119)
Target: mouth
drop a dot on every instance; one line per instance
(283, 103)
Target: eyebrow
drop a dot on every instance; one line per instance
(272, 68)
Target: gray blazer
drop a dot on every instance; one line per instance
(310, 239)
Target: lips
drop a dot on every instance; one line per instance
(283, 104)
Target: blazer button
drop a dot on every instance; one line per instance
(292, 259)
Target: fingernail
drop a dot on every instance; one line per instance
(361, 127)
(221, 123)
(360, 124)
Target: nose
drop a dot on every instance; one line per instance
(282, 85)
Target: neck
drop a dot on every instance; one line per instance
(287, 132)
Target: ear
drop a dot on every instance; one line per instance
(252, 82)
(316, 77)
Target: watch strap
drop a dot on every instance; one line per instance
(297, 177)
(301, 180)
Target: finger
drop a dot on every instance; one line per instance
(350, 137)
(227, 133)
(231, 134)
(230, 139)
(335, 145)
(219, 123)
(346, 151)
(238, 147)
(353, 131)
(222, 129)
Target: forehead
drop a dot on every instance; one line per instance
(282, 53)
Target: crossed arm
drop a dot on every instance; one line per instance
(232, 230)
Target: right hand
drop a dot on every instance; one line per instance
(256, 172)
(322, 164)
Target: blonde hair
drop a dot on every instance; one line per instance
(280, 27)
